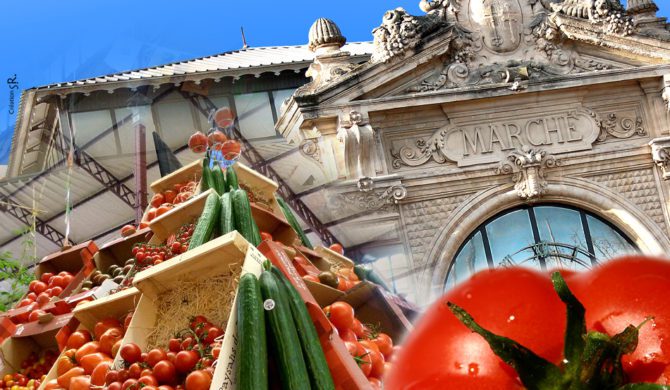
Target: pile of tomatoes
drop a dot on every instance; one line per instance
(371, 349)
(33, 371)
(88, 357)
(40, 293)
(186, 364)
(146, 255)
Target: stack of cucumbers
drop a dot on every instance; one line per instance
(227, 208)
(272, 315)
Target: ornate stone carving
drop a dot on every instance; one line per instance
(310, 148)
(368, 197)
(527, 167)
(358, 141)
(666, 90)
(330, 63)
(660, 152)
(400, 32)
(618, 128)
(442, 9)
(608, 13)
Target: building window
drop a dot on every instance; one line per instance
(540, 236)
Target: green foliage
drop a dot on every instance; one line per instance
(14, 271)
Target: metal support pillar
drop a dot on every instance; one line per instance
(140, 172)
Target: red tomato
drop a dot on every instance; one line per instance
(337, 248)
(148, 380)
(102, 326)
(111, 376)
(100, 372)
(311, 278)
(131, 353)
(216, 137)
(128, 230)
(87, 349)
(64, 380)
(197, 142)
(92, 360)
(375, 383)
(157, 200)
(185, 361)
(45, 277)
(347, 335)
(129, 383)
(34, 315)
(109, 338)
(341, 314)
(212, 333)
(31, 296)
(513, 302)
(385, 344)
(155, 355)
(135, 371)
(265, 236)
(624, 292)
(369, 344)
(165, 372)
(43, 298)
(56, 281)
(174, 345)
(80, 383)
(114, 386)
(377, 370)
(37, 286)
(359, 329)
(56, 291)
(25, 302)
(198, 380)
(65, 362)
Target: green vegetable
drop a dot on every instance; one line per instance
(227, 224)
(290, 218)
(319, 374)
(252, 356)
(244, 222)
(218, 179)
(207, 221)
(231, 179)
(283, 335)
(206, 181)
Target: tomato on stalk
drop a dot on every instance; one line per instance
(341, 314)
(623, 312)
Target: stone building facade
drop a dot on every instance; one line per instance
(479, 107)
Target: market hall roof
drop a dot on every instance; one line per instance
(236, 63)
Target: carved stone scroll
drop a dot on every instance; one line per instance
(660, 152)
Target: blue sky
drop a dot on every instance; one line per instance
(45, 41)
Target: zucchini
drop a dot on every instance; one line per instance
(231, 179)
(283, 335)
(206, 180)
(244, 221)
(290, 218)
(207, 221)
(218, 179)
(252, 358)
(317, 367)
(227, 224)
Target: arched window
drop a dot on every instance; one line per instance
(545, 236)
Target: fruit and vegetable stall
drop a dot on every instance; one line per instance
(218, 287)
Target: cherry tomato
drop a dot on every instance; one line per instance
(185, 361)
(347, 335)
(155, 355)
(198, 380)
(385, 344)
(135, 371)
(148, 380)
(337, 248)
(131, 353)
(165, 372)
(377, 369)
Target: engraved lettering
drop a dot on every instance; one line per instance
(531, 140)
(516, 134)
(494, 137)
(548, 130)
(475, 142)
(572, 129)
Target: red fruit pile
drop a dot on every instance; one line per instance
(146, 255)
(370, 348)
(33, 370)
(40, 293)
(185, 364)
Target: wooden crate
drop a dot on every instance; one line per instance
(192, 171)
(228, 254)
(87, 314)
(261, 190)
(274, 224)
(171, 221)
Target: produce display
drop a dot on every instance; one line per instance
(185, 363)
(371, 348)
(88, 356)
(507, 329)
(40, 292)
(33, 371)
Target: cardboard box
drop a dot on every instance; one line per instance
(229, 254)
(13, 351)
(72, 260)
(274, 224)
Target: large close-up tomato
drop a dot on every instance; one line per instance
(521, 304)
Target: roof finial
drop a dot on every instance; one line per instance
(324, 34)
(244, 39)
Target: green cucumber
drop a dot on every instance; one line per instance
(206, 180)
(283, 335)
(370, 275)
(317, 367)
(231, 179)
(227, 224)
(244, 221)
(206, 222)
(252, 356)
(218, 179)
(290, 218)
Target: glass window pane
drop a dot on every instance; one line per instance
(563, 227)
(607, 242)
(176, 122)
(255, 115)
(470, 259)
(507, 235)
(87, 125)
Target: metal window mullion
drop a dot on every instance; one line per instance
(587, 236)
(536, 235)
(487, 246)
